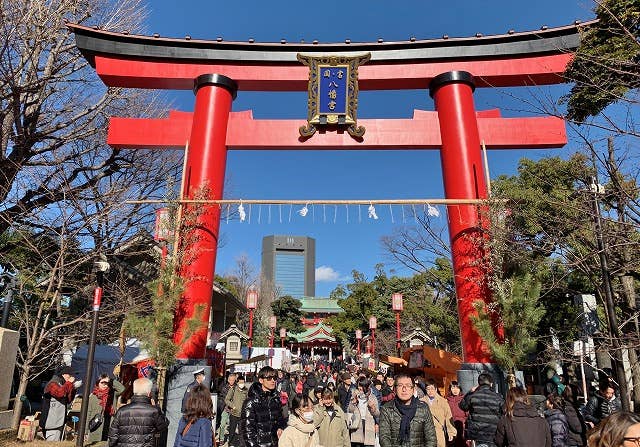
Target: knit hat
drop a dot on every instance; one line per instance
(67, 370)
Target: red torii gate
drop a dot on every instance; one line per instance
(449, 68)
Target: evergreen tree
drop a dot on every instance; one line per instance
(516, 311)
(287, 311)
(606, 65)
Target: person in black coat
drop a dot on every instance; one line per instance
(604, 403)
(522, 426)
(577, 430)
(344, 390)
(137, 423)
(485, 408)
(261, 419)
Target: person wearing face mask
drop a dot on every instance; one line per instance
(301, 430)
(331, 422)
(236, 396)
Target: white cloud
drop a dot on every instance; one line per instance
(326, 273)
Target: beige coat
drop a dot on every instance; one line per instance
(299, 434)
(365, 433)
(333, 432)
(441, 413)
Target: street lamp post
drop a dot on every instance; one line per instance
(283, 335)
(373, 322)
(358, 338)
(397, 306)
(101, 267)
(252, 303)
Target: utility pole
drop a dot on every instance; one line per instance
(596, 189)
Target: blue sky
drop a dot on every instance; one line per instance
(341, 246)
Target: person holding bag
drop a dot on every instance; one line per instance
(102, 406)
(194, 428)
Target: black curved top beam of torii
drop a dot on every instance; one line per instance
(511, 59)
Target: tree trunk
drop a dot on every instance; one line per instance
(17, 403)
(626, 281)
(635, 376)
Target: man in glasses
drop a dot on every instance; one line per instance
(405, 421)
(261, 419)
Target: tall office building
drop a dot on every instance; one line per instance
(290, 263)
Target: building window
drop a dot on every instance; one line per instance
(234, 346)
(289, 275)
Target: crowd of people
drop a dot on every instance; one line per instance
(333, 409)
(320, 407)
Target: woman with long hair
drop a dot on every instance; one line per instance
(521, 426)
(194, 428)
(300, 431)
(621, 429)
(364, 406)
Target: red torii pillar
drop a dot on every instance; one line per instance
(204, 179)
(464, 178)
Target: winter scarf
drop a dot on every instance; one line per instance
(106, 399)
(407, 412)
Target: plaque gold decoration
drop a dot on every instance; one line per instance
(333, 93)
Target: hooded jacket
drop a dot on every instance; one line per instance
(299, 434)
(261, 417)
(525, 429)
